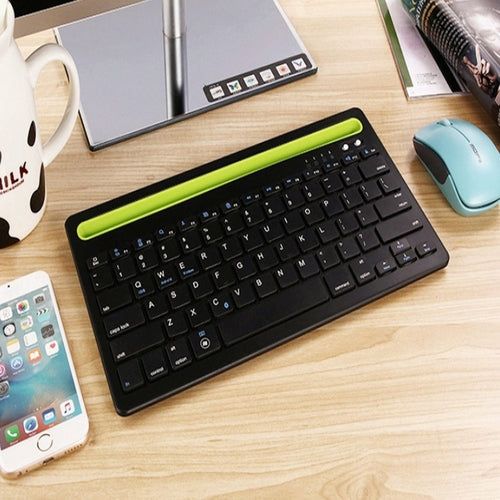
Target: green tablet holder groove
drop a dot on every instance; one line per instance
(161, 200)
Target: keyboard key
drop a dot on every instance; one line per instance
(373, 167)
(273, 310)
(272, 231)
(165, 276)
(307, 240)
(363, 271)
(156, 306)
(339, 281)
(212, 231)
(232, 223)
(114, 298)
(120, 251)
(125, 269)
(392, 205)
(265, 285)
(347, 223)
(332, 182)
(136, 341)
(142, 242)
(266, 258)
(351, 198)
(370, 190)
(286, 275)
(386, 266)
(187, 267)
(367, 239)
(230, 249)
(425, 248)
(389, 183)
(154, 364)
(350, 175)
(348, 248)
(399, 226)
(253, 215)
(97, 260)
(287, 249)
(399, 246)
(293, 222)
(204, 342)
(366, 215)
(245, 267)
(123, 320)
(146, 259)
(312, 214)
(223, 277)
(178, 354)
(169, 250)
(273, 206)
(313, 191)
(143, 286)
(102, 277)
(190, 241)
(130, 375)
(198, 314)
(176, 324)
(327, 232)
(328, 257)
(242, 294)
(221, 304)
(178, 296)
(293, 198)
(307, 266)
(201, 287)
(209, 258)
(406, 257)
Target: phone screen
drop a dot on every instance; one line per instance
(37, 390)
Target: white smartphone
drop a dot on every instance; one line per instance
(42, 414)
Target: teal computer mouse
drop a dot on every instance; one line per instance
(464, 163)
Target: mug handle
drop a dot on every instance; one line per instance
(35, 63)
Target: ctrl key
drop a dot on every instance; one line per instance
(130, 375)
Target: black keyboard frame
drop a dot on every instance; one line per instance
(127, 403)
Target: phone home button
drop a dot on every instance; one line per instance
(44, 442)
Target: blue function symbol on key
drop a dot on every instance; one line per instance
(204, 341)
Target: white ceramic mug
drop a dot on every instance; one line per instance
(23, 157)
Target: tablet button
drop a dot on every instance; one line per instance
(45, 442)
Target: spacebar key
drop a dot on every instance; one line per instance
(273, 310)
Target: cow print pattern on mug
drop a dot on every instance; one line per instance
(37, 199)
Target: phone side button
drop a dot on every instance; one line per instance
(45, 442)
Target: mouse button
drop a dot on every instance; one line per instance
(431, 160)
(445, 122)
(479, 188)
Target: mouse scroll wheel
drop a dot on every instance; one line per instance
(445, 122)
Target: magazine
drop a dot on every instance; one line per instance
(422, 70)
(467, 34)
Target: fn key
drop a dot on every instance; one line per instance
(130, 375)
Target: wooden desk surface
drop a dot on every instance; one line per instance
(400, 399)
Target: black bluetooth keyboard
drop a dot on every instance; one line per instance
(193, 275)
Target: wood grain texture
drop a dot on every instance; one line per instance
(398, 400)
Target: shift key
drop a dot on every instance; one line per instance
(137, 341)
(399, 226)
